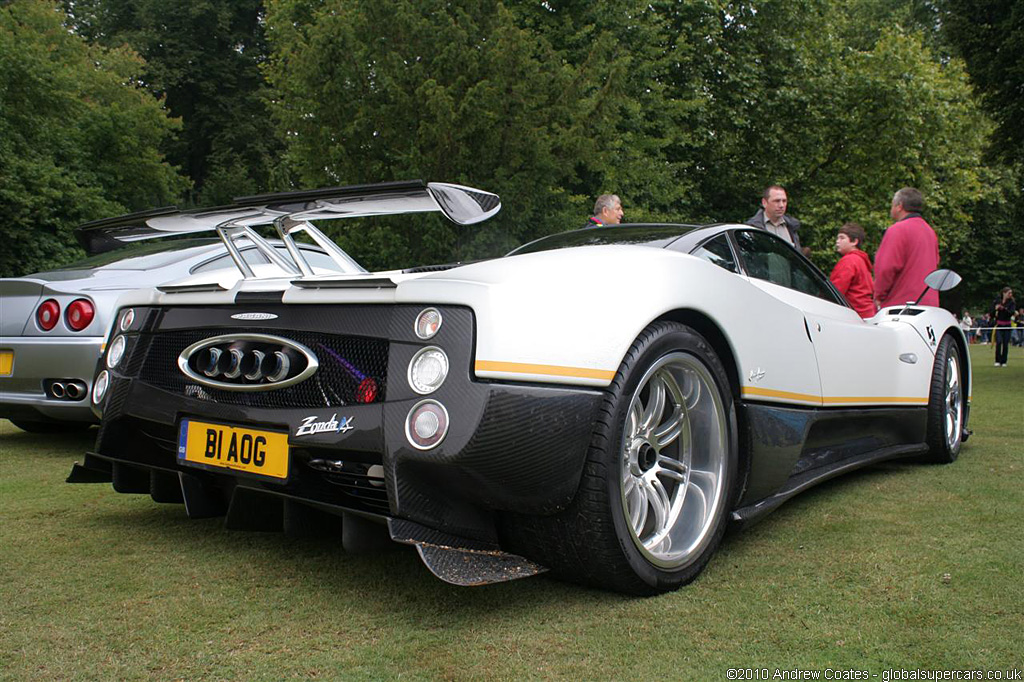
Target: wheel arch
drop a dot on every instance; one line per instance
(712, 331)
(961, 343)
(967, 379)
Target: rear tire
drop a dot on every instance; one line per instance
(946, 405)
(659, 477)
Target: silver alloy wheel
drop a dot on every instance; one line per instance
(953, 401)
(673, 460)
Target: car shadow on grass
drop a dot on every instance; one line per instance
(322, 572)
(317, 566)
(57, 442)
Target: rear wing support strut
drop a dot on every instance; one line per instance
(229, 232)
(287, 226)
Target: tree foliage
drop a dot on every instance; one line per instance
(811, 95)
(79, 139)
(203, 57)
(685, 108)
(471, 92)
(989, 34)
(993, 256)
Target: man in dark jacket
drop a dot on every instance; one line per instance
(772, 215)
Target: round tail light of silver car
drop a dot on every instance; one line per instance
(100, 386)
(428, 370)
(426, 424)
(80, 314)
(47, 314)
(116, 352)
(427, 323)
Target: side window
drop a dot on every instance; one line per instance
(717, 251)
(769, 258)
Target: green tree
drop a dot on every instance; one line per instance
(837, 105)
(204, 58)
(470, 92)
(989, 35)
(79, 139)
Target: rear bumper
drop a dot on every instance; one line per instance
(39, 360)
(482, 468)
(508, 447)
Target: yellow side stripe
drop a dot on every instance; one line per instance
(873, 399)
(552, 370)
(749, 391)
(772, 393)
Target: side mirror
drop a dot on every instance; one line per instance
(941, 280)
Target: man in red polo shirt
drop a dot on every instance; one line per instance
(909, 251)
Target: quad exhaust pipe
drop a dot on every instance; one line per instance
(66, 389)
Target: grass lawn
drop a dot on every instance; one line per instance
(898, 566)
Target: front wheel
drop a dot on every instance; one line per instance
(946, 404)
(658, 482)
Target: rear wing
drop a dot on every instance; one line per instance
(291, 213)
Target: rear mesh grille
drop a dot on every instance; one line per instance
(342, 360)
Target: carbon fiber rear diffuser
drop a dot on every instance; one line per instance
(478, 564)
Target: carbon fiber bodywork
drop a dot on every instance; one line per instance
(508, 447)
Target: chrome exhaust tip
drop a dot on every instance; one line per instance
(75, 390)
(58, 390)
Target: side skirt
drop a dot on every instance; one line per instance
(791, 449)
(745, 516)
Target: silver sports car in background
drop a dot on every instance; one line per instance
(53, 324)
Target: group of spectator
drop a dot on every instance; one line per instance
(1003, 325)
(908, 253)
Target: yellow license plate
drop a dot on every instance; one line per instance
(220, 446)
(6, 363)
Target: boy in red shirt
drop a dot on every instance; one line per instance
(852, 274)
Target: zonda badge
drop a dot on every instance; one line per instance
(310, 425)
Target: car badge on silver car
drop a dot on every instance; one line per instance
(310, 425)
(254, 316)
(247, 362)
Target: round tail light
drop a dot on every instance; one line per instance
(47, 314)
(428, 322)
(426, 424)
(115, 352)
(80, 314)
(99, 387)
(428, 369)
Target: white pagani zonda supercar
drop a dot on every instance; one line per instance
(599, 403)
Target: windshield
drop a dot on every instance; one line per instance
(658, 236)
(142, 255)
